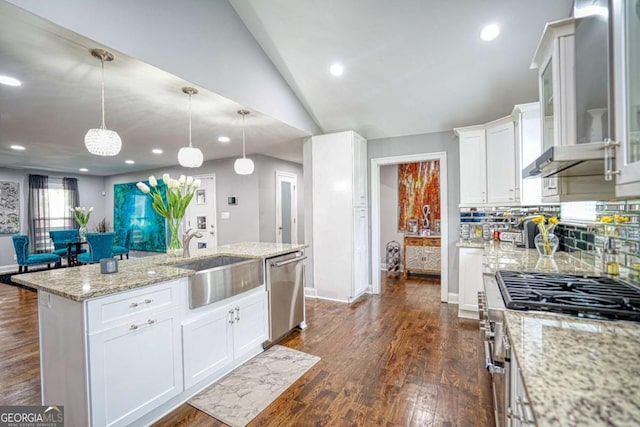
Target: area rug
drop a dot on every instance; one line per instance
(6, 279)
(240, 396)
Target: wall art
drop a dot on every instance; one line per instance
(9, 207)
(418, 193)
(132, 209)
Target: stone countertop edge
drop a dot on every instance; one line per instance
(86, 282)
(577, 372)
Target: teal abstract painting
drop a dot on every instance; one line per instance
(132, 210)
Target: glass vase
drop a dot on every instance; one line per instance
(546, 244)
(174, 243)
(82, 233)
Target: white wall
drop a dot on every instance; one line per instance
(266, 168)
(389, 209)
(89, 187)
(203, 42)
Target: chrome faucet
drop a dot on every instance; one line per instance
(186, 238)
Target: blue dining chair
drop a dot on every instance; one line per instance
(100, 246)
(25, 259)
(60, 239)
(123, 241)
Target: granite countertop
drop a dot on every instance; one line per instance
(86, 282)
(578, 372)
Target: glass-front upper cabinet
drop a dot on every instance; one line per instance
(554, 59)
(626, 55)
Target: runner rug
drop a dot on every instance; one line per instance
(240, 396)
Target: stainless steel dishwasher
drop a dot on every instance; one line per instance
(285, 287)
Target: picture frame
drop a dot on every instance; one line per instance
(201, 198)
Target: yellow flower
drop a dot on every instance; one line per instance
(538, 220)
(620, 219)
(606, 219)
(553, 220)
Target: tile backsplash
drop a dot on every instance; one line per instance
(615, 231)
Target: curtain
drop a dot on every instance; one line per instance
(38, 213)
(71, 200)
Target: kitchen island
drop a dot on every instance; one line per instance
(564, 370)
(123, 348)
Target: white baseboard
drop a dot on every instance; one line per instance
(332, 299)
(8, 268)
(310, 292)
(452, 298)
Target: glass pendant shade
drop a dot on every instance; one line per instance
(190, 157)
(102, 142)
(243, 166)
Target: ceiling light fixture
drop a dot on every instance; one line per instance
(17, 147)
(490, 32)
(83, 170)
(157, 151)
(130, 162)
(10, 81)
(102, 141)
(336, 69)
(243, 166)
(224, 139)
(190, 157)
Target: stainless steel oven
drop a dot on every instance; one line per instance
(496, 347)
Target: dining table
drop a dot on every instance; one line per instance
(72, 255)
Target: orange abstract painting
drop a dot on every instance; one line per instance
(418, 186)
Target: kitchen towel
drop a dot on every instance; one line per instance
(240, 396)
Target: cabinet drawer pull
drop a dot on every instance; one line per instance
(231, 316)
(237, 310)
(148, 322)
(136, 304)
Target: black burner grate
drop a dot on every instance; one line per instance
(581, 295)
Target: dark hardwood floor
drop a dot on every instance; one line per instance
(398, 359)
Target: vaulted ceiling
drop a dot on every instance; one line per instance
(411, 66)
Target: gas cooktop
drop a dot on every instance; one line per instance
(599, 297)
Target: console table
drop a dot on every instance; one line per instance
(421, 254)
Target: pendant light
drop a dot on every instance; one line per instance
(190, 157)
(243, 166)
(102, 141)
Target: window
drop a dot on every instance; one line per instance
(50, 200)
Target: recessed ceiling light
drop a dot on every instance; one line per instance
(129, 162)
(157, 151)
(83, 170)
(17, 147)
(336, 69)
(10, 81)
(224, 139)
(490, 32)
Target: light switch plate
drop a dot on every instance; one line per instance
(226, 215)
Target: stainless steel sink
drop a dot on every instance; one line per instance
(221, 277)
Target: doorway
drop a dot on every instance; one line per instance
(202, 214)
(375, 216)
(286, 207)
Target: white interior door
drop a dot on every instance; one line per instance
(201, 215)
(286, 208)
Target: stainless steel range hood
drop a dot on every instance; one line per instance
(586, 159)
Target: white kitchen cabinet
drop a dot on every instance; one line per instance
(528, 148)
(502, 186)
(214, 337)
(469, 281)
(339, 216)
(554, 59)
(626, 66)
(473, 180)
(134, 367)
(489, 172)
